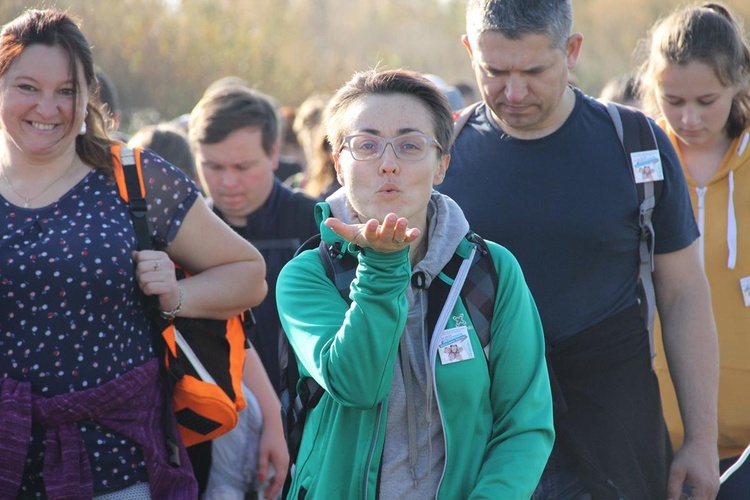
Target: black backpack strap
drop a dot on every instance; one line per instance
(478, 292)
(292, 371)
(137, 203)
(636, 134)
(312, 242)
(277, 244)
(303, 393)
(463, 117)
(340, 269)
(290, 393)
(138, 211)
(340, 266)
(437, 293)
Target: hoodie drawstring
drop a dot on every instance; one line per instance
(429, 393)
(701, 193)
(731, 225)
(731, 217)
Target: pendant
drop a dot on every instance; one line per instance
(26, 203)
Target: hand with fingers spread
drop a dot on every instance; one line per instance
(390, 236)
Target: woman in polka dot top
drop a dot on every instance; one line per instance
(80, 399)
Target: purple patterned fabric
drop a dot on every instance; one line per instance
(15, 427)
(130, 404)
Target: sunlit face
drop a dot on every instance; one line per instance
(378, 187)
(523, 81)
(237, 173)
(37, 113)
(695, 103)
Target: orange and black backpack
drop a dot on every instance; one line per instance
(201, 359)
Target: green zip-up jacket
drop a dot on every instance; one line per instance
(497, 419)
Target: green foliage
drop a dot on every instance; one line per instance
(162, 54)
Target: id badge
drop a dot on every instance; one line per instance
(745, 285)
(647, 166)
(454, 345)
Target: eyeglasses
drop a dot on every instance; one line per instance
(412, 146)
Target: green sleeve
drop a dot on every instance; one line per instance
(522, 430)
(350, 350)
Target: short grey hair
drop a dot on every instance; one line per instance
(515, 19)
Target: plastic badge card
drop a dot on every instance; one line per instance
(745, 284)
(455, 346)
(647, 166)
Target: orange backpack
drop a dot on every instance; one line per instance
(202, 359)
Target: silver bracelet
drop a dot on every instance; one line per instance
(173, 313)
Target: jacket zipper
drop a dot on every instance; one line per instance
(433, 360)
(371, 454)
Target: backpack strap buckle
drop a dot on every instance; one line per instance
(335, 250)
(309, 393)
(138, 207)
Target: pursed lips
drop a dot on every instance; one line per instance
(388, 188)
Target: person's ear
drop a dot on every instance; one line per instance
(573, 50)
(274, 156)
(439, 176)
(466, 43)
(337, 166)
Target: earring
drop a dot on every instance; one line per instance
(83, 129)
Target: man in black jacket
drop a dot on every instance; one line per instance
(234, 132)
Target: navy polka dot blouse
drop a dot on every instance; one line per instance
(70, 318)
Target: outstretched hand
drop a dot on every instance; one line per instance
(390, 236)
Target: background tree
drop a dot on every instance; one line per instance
(162, 54)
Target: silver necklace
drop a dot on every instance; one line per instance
(26, 200)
